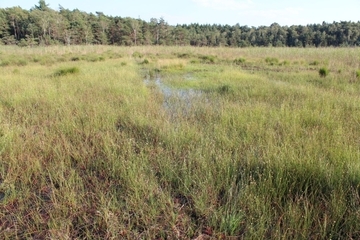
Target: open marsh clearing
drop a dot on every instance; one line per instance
(178, 103)
(179, 143)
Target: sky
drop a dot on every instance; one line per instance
(244, 12)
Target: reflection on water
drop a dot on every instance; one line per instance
(178, 102)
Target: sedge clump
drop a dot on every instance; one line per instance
(66, 71)
(323, 72)
(357, 73)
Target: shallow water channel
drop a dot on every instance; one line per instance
(177, 102)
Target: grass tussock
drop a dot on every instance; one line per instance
(209, 59)
(314, 63)
(197, 151)
(66, 71)
(4, 63)
(145, 61)
(171, 65)
(239, 61)
(357, 73)
(94, 58)
(185, 55)
(272, 61)
(75, 59)
(323, 72)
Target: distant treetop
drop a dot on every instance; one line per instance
(42, 25)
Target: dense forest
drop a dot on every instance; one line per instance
(42, 25)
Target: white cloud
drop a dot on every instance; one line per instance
(225, 4)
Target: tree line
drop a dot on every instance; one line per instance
(42, 25)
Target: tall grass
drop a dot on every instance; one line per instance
(266, 151)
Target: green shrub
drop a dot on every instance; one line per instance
(22, 43)
(66, 71)
(323, 72)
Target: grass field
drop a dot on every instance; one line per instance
(179, 143)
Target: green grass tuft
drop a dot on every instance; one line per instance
(314, 63)
(239, 61)
(207, 59)
(4, 63)
(285, 63)
(357, 73)
(224, 89)
(137, 55)
(184, 55)
(272, 61)
(21, 62)
(66, 71)
(74, 59)
(323, 72)
(145, 61)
